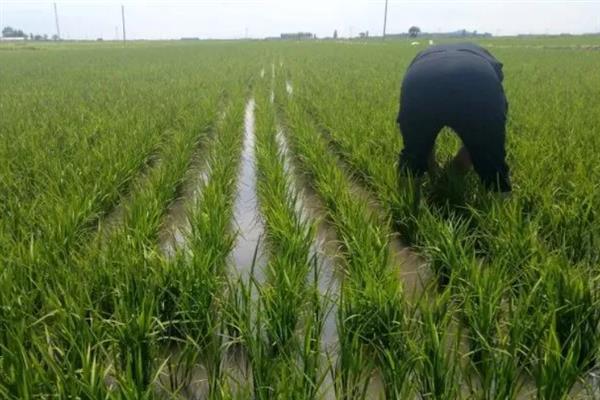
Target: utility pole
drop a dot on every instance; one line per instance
(385, 18)
(57, 25)
(123, 18)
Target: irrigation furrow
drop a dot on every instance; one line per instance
(199, 366)
(177, 225)
(413, 270)
(369, 281)
(325, 252)
(324, 248)
(248, 253)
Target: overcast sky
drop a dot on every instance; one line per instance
(163, 19)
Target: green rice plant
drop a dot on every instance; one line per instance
(569, 347)
(481, 291)
(352, 374)
(436, 348)
(445, 245)
(507, 237)
(135, 344)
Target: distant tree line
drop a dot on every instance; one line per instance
(9, 32)
(415, 31)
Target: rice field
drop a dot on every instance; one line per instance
(224, 220)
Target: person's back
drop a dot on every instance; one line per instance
(445, 50)
(460, 86)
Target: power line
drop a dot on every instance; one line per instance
(56, 20)
(385, 18)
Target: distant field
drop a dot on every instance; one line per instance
(224, 220)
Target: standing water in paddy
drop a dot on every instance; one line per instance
(247, 219)
(322, 248)
(177, 223)
(177, 226)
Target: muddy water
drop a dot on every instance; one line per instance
(176, 226)
(191, 380)
(325, 252)
(324, 249)
(247, 219)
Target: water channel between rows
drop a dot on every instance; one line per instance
(248, 254)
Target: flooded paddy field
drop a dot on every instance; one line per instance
(226, 221)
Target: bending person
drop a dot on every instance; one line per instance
(459, 86)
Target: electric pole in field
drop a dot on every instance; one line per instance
(56, 20)
(385, 18)
(123, 18)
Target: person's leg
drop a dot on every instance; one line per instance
(418, 134)
(484, 138)
(414, 160)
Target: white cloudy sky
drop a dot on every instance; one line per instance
(154, 19)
